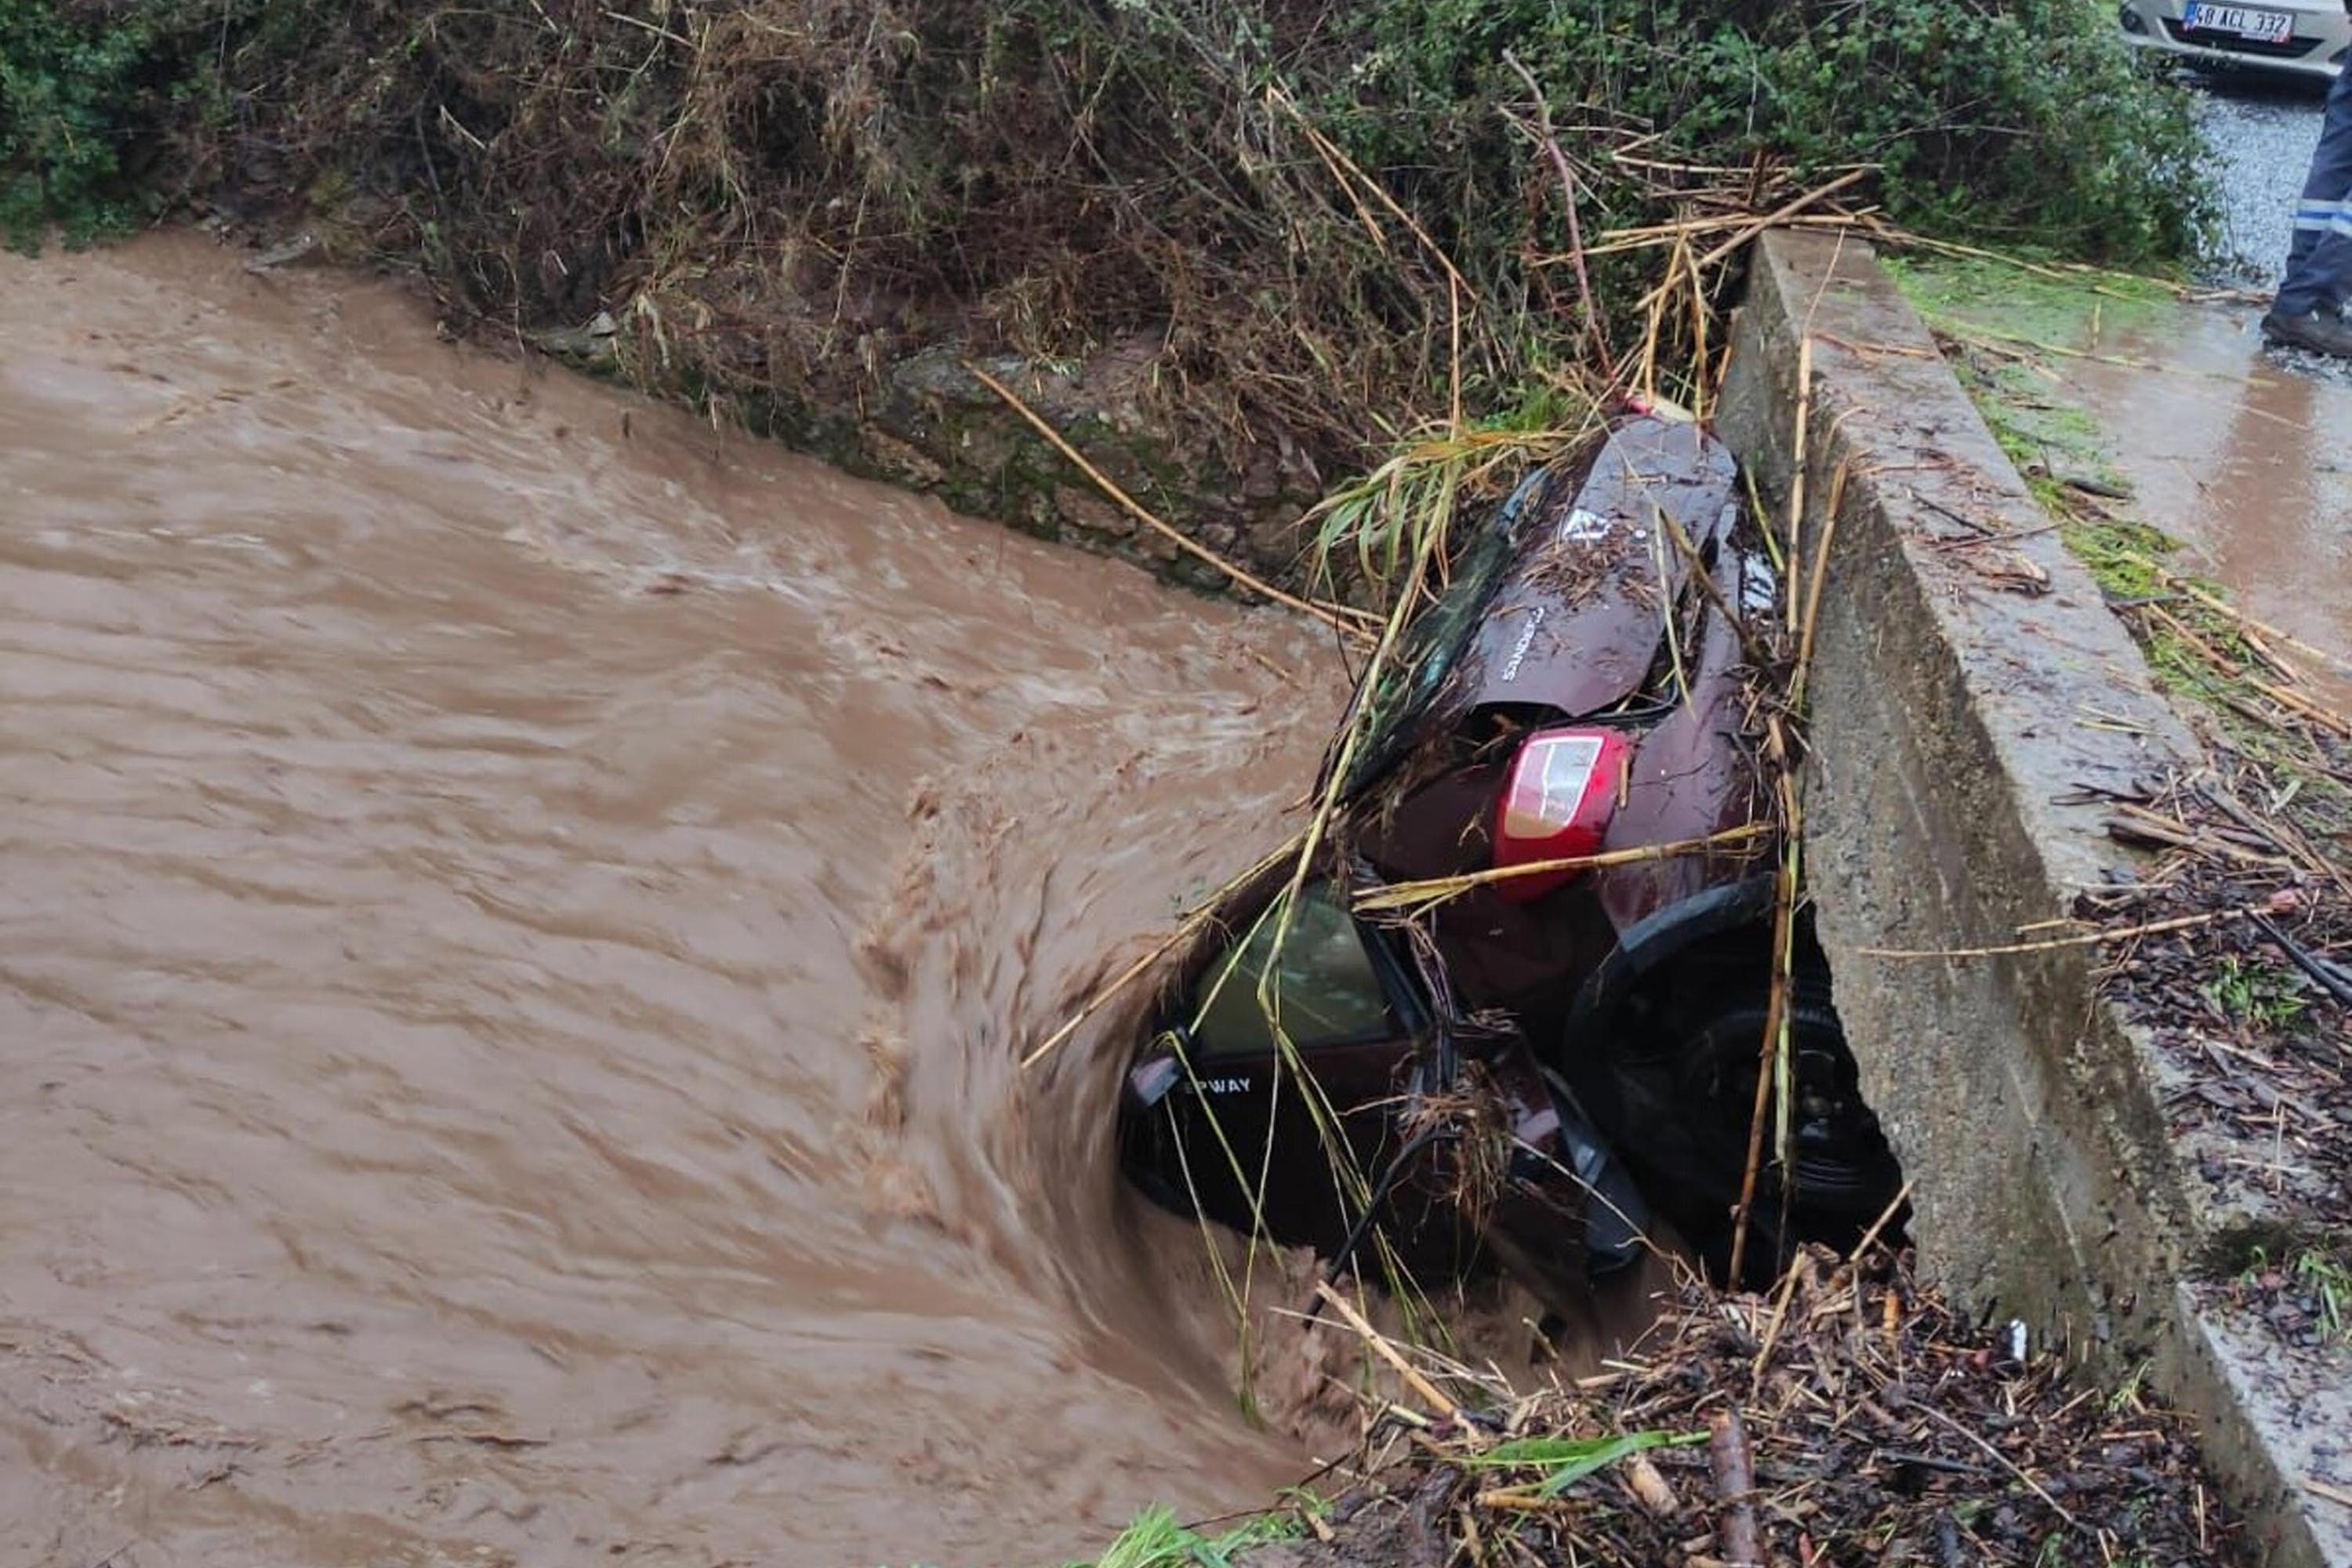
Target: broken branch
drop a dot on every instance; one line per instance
(1734, 1486)
(2089, 939)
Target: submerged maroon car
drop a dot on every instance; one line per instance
(1534, 1070)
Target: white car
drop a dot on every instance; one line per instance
(2310, 37)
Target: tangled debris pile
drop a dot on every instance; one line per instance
(1849, 1416)
(2232, 953)
(2235, 949)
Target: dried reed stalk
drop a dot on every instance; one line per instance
(1190, 927)
(1800, 448)
(1771, 1066)
(1773, 1088)
(1378, 1344)
(1601, 356)
(2228, 612)
(1430, 892)
(1333, 156)
(1342, 619)
(2302, 707)
(1753, 226)
(1644, 236)
(1735, 1485)
(1689, 552)
(2088, 939)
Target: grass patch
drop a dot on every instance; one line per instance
(2029, 300)
(2315, 1280)
(2330, 1283)
(2261, 995)
(2193, 650)
(1157, 1541)
(1558, 1463)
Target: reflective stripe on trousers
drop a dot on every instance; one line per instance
(2324, 217)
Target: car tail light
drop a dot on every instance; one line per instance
(1556, 803)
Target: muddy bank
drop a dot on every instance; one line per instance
(517, 915)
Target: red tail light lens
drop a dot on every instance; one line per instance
(1556, 805)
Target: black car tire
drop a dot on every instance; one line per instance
(1682, 1088)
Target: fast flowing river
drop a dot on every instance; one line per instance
(517, 916)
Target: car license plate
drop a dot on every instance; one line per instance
(2259, 26)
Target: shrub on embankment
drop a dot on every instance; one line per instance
(1306, 204)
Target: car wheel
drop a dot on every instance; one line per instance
(1683, 1081)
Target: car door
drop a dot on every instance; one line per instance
(1294, 1039)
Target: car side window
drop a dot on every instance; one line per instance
(1325, 990)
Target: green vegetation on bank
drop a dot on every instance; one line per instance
(70, 103)
(1157, 1541)
(2316, 1274)
(2026, 305)
(1308, 206)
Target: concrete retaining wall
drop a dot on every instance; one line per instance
(1969, 690)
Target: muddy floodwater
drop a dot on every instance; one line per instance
(517, 916)
(2246, 457)
(2243, 453)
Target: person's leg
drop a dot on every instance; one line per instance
(2319, 261)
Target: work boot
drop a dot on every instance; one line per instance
(2320, 331)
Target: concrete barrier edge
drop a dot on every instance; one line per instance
(1971, 696)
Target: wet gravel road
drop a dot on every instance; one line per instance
(2262, 131)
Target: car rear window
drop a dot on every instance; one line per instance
(1425, 655)
(1325, 991)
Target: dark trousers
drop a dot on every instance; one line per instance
(2319, 264)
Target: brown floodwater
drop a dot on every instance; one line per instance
(518, 919)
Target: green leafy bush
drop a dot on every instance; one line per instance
(2007, 122)
(68, 84)
(107, 105)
